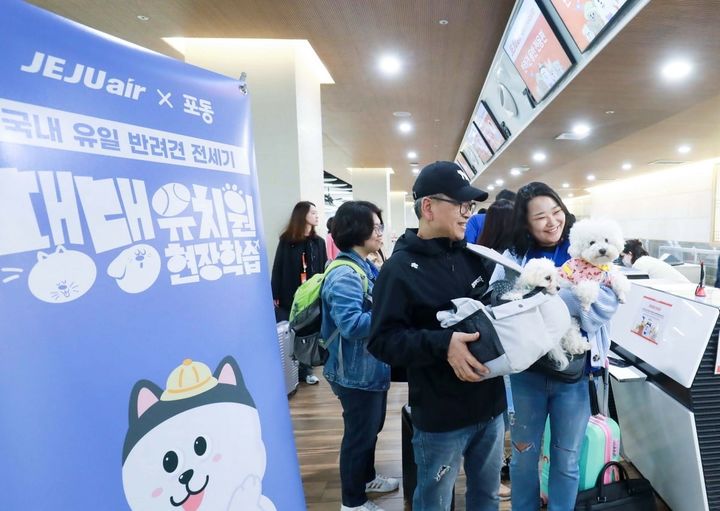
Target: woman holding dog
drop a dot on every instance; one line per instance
(541, 224)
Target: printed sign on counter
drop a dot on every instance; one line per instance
(651, 319)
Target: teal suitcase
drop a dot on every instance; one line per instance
(601, 444)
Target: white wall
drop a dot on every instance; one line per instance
(674, 204)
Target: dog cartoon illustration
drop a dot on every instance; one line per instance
(63, 276)
(195, 446)
(136, 268)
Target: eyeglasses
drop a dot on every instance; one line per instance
(465, 207)
(379, 228)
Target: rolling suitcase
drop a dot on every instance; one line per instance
(290, 366)
(409, 468)
(600, 446)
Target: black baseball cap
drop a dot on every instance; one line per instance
(448, 178)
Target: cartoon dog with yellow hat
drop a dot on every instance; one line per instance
(197, 446)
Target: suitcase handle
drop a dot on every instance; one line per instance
(599, 484)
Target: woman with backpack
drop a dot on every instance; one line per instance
(358, 379)
(300, 255)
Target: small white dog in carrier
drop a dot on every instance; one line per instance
(542, 273)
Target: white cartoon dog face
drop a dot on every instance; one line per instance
(597, 241)
(197, 446)
(136, 268)
(62, 276)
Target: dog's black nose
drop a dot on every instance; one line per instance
(602, 251)
(186, 476)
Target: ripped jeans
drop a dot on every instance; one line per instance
(438, 457)
(536, 395)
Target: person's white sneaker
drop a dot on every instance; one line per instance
(311, 379)
(382, 484)
(368, 506)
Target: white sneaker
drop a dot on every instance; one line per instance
(382, 484)
(311, 379)
(368, 506)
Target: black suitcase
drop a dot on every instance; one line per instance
(409, 469)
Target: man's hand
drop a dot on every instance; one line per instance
(276, 303)
(466, 367)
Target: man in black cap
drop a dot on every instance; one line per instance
(454, 413)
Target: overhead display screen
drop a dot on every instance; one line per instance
(475, 149)
(461, 160)
(586, 19)
(535, 50)
(489, 128)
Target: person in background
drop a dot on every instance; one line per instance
(475, 224)
(330, 246)
(541, 223)
(300, 255)
(635, 256)
(456, 417)
(359, 380)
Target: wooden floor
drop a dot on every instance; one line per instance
(317, 419)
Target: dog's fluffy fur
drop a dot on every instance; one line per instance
(593, 244)
(543, 273)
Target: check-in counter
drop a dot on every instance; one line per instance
(668, 397)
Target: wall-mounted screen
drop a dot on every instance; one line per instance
(488, 126)
(461, 160)
(535, 50)
(478, 146)
(586, 19)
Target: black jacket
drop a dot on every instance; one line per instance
(288, 267)
(420, 279)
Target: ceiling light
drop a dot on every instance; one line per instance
(581, 129)
(515, 172)
(143, 18)
(566, 185)
(416, 171)
(414, 164)
(491, 187)
(539, 156)
(499, 182)
(626, 166)
(389, 65)
(412, 155)
(609, 112)
(676, 70)
(443, 22)
(684, 149)
(402, 114)
(591, 177)
(570, 195)
(405, 127)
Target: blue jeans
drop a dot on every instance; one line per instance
(363, 417)
(438, 456)
(536, 395)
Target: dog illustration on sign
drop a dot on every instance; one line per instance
(136, 268)
(197, 445)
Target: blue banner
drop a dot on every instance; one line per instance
(139, 362)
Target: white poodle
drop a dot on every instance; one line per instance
(542, 273)
(594, 245)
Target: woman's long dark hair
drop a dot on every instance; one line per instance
(295, 230)
(497, 231)
(522, 240)
(635, 249)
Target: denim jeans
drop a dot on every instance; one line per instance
(363, 416)
(438, 457)
(536, 395)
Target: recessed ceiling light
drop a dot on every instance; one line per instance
(539, 156)
(515, 172)
(609, 112)
(402, 114)
(570, 195)
(143, 18)
(499, 182)
(581, 129)
(443, 22)
(405, 127)
(414, 164)
(676, 70)
(416, 171)
(491, 187)
(626, 166)
(412, 155)
(390, 65)
(684, 149)
(566, 185)
(591, 177)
